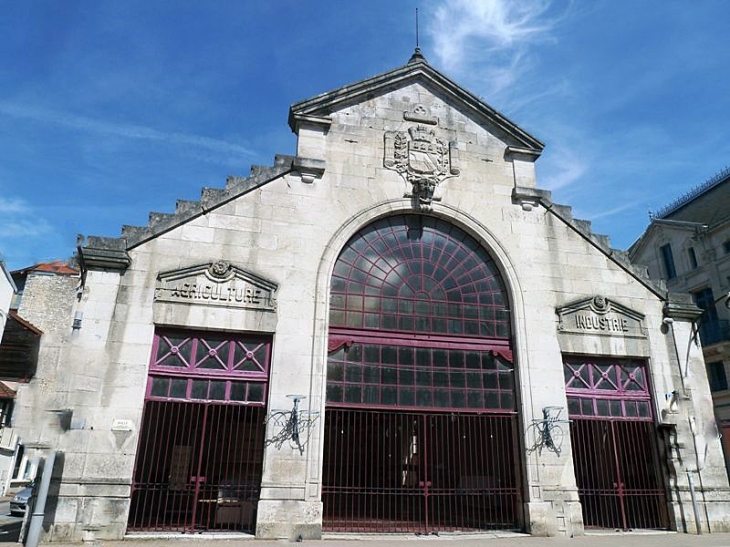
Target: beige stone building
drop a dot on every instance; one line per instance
(393, 330)
(687, 245)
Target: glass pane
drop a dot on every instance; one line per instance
(372, 395)
(390, 375)
(441, 398)
(238, 391)
(631, 410)
(407, 377)
(602, 407)
(160, 387)
(353, 373)
(178, 388)
(573, 406)
(475, 399)
(643, 408)
(407, 397)
(458, 399)
(335, 372)
(256, 393)
(507, 401)
(423, 397)
(371, 374)
(389, 396)
(217, 391)
(616, 408)
(458, 379)
(372, 354)
(353, 394)
(353, 354)
(334, 393)
(586, 406)
(441, 379)
(423, 378)
(456, 359)
(200, 389)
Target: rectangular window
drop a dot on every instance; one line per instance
(668, 260)
(726, 247)
(692, 258)
(716, 376)
(712, 330)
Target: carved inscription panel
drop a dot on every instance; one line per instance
(216, 284)
(599, 315)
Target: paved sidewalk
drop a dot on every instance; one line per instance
(463, 540)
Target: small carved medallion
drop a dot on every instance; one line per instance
(219, 270)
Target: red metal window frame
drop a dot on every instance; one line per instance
(414, 283)
(415, 273)
(209, 366)
(607, 388)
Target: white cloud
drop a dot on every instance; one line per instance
(129, 131)
(495, 33)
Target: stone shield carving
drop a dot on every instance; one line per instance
(422, 158)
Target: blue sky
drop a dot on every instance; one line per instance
(110, 110)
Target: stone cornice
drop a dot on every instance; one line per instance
(681, 306)
(418, 70)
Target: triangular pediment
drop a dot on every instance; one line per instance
(216, 284)
(600, 315)
(416, 71)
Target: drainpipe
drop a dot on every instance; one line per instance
(39, 508)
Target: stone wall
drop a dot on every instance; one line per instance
(289, 231)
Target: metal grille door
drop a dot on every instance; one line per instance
(410, 472)
(199, 467)
(620, 480)
(199, 462)
(617, 473)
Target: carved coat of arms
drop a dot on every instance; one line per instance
(421, 158)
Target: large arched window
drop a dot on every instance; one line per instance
(419, 317)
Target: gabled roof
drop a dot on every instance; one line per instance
(416, 70)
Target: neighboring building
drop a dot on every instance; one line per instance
(44, 298)
(687, 245)
(386, 332)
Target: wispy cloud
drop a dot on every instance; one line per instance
(19, 221)
(565, 169)
(467, 32)
(613, 211)
(129, 131)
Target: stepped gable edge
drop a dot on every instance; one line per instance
(583, 227)
(111, 252)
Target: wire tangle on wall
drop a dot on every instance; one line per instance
(548, 433)
(291, 426)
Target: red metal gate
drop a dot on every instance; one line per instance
(412, 472)
(620, 480)
(199, 467)
(199, 462)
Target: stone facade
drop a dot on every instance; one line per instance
(283, 229)
(688, 247)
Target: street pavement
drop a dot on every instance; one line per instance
(446, 540)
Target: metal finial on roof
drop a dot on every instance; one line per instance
(417, 57)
